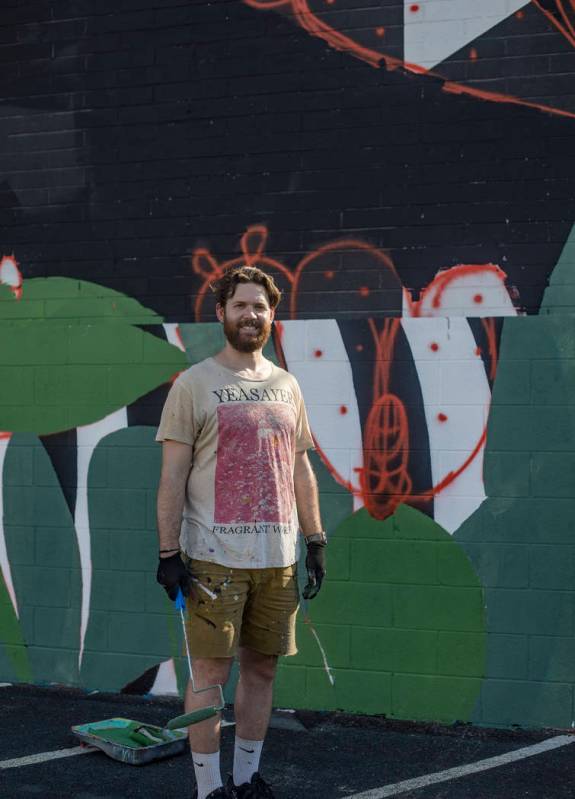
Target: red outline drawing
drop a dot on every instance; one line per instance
(316, 27)
(384, 481)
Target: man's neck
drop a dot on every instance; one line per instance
(249, 362)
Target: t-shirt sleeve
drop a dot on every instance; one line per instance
(303, 436)
(178, 422)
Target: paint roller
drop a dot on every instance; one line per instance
(202, 713)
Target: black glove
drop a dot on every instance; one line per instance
(172, 574)
(315, 565)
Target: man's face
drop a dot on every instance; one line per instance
(247, 318)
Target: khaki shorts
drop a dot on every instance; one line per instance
(253, 607)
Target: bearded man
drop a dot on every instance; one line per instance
(235, 487)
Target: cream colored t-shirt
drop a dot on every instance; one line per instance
(240, 508)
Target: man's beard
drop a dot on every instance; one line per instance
(244, 344)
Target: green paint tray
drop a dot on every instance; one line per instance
(132, 741)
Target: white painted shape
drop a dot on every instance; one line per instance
(9, 272)
(467, 411)
(405, 786)
(458, 297)
(442, 27)
(464, 382)
(327, 384)
(173, 335)
(297, 339)
(317, 338)
(469, 483)
(430, 374)
(44, 757)
(166, 682)
(4, 560)
(322, 380)
(88, 438)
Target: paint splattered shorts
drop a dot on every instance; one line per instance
(253, 607)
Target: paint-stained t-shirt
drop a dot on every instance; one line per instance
(240, 508)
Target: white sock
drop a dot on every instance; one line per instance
(246, 759)
(208, 775)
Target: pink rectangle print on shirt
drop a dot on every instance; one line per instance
(255, 461)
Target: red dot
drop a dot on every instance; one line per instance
(434, 346)
(478, 351)
(364, 291)
(329, 275)
(478, 298)
(414, 8)
(473, 54)
(343, 410)
(520, 14)
(380, 31)
(359, 347)
(441, 417)
(318, 353)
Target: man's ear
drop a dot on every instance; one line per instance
(272, 314)
(220, 312)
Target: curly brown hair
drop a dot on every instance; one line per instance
(225, 287)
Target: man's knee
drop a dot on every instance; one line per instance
(257, 667)
(211, 671)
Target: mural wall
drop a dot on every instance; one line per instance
(406, 174)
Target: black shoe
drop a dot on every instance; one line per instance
(257, 788)
(219, 793)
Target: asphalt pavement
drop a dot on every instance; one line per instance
(311, 755)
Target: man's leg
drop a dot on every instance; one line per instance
(205, 736)
(253, 704)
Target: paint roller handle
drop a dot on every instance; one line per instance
(180, 600)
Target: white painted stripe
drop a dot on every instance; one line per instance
(462, 771)
(43, 757)
(87, 438)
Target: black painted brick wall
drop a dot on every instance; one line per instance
(129, 138)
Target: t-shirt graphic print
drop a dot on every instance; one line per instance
(240, 506)
(254, 459)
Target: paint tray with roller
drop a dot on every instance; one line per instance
(132, 742)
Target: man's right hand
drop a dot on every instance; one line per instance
(172, 575)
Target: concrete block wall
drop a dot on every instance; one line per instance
(405, 171)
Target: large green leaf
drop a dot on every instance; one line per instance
(401, 619)
(55, 376)
(70, 299)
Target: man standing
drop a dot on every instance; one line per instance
(235, 485)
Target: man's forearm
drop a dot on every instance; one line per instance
(307, 496)
(171, 498)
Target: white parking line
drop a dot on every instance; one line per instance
(43, 757)
(462, 771)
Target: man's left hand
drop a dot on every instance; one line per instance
(315, 565)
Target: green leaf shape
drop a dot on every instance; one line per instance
(73, 300)
(521, 538)
(55, 376)
(43, 553)
(14, 663)
(132, 624)
(402, 621)
(559, 296)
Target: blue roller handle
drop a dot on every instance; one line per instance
(180, 601)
